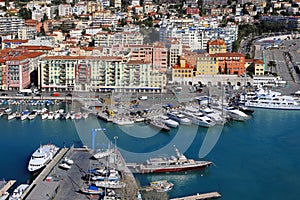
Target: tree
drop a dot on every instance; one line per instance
(247, 56)
(25, 13)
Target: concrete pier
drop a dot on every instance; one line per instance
(210, 195)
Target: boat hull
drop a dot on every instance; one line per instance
(173, 169)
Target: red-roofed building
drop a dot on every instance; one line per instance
(230, 63)
(216, 46)
(192, 11)
(182, 70)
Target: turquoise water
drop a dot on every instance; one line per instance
(257, 159)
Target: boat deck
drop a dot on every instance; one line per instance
(210, 195)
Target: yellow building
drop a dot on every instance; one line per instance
(206, 65)
(216, 46)
(259, 67)
(182, 70)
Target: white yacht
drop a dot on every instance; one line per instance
(273, 100)
(236, 114)
(198, 118)
(11, 116)
(32, 115)
(50, 115)
(169, 122)
(45, 115)
(17, 193)
(216, 115)
(180, 118)
(42, 156)
(56, 115)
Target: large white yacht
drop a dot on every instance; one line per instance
(273, 100)
(180, 118)
(42, 156)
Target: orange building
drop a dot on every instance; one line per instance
(230, 63)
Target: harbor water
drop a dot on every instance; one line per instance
(256, 159)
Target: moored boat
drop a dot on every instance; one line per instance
(42, 156)
(180, 118)
(173, 164)
(91, 190)
(17, 193)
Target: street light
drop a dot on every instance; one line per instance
(94, 131)
(115, 138)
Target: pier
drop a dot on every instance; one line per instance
(210, 195)
(55, 182)
(7, 186)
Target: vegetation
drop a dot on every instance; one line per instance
(25, 13)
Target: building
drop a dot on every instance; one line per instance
(216, 46)
(206, 65)
(10, 25)
(230, 63)
(182, 70)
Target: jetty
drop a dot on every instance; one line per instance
(203, 196)
(6, 186)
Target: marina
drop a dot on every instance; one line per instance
(210, 195)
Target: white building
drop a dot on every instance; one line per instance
(64, 10)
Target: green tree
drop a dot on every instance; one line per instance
(25, 13)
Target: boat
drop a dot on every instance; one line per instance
(32, 115)
(110, 184)
(42, 156)
(123, 121)
(169, 122)
(178, 163)
(180, 118)
(78, 115)
(17, 193)
(161, 186)
(198, 118)
(273, 100)
(64, 166)
(158, 124)
(8, 111)
(92, 190)
(56, 115)
(68, 161)
(102, 154)
(236, 114)
(215, 115)
(24, 115)
(45, 115)
(245, 109)
(11, 116)
(85, 115)
(50, 115)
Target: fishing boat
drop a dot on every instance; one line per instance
(178, 163)
(42, 156)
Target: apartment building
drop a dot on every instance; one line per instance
(206, 65)
(65, 10)
(124, 38)
(87, 73)
(216, 46)
(230, 63)
(175, 50)
(10, 25)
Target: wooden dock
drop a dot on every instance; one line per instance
(7, 186)
(210, 195)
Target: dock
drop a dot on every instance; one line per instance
(210, 195)
(7, 186)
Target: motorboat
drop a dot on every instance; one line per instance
(169, 122)
(68, 161)
(50, 115)
(123, 121)
(17, 193)
(102, 154)
(158, 124)
(273, 100)
(64, 166)
(198, 118)
(56, 115)
(32, 115)
(180, 118)
(78, 115)
(215, 115)
(85, 115)
(24, 115)
(11, 116)
(42, 156)
(236, 114)
(45, 115)
(161, 186)
(178, 163)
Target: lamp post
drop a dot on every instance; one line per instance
(94, 131)
(115, 138)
